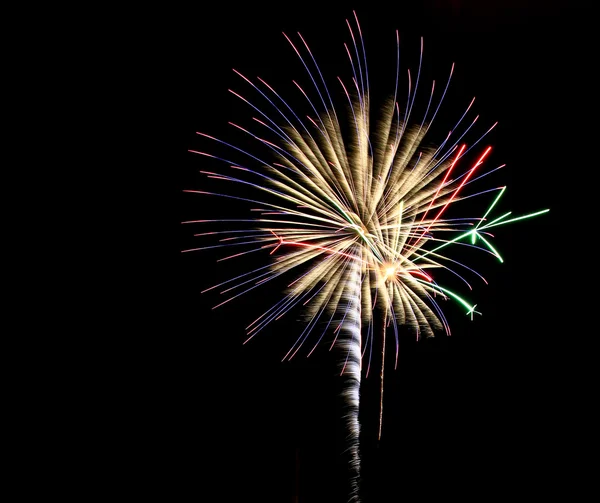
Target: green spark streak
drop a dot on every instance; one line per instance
(469, 307)
(448, 243)
(515, 219)
(490, 208)
(491, 224)
(494, 251)
(494, 223)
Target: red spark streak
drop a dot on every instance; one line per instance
(307, 245)
(422, 274)
(477, 164)
(442, 184)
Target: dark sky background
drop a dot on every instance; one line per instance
(471, 416)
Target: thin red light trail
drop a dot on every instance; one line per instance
(443, 182)
(299, 243)
(422, 274)
(477, 164)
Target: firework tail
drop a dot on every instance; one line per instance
(350, 343)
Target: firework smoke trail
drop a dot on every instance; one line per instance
(350, 342)
(358, 213)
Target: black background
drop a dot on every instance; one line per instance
(478, 415)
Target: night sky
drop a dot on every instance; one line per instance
(465, 417)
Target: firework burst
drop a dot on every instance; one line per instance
(355, 214)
